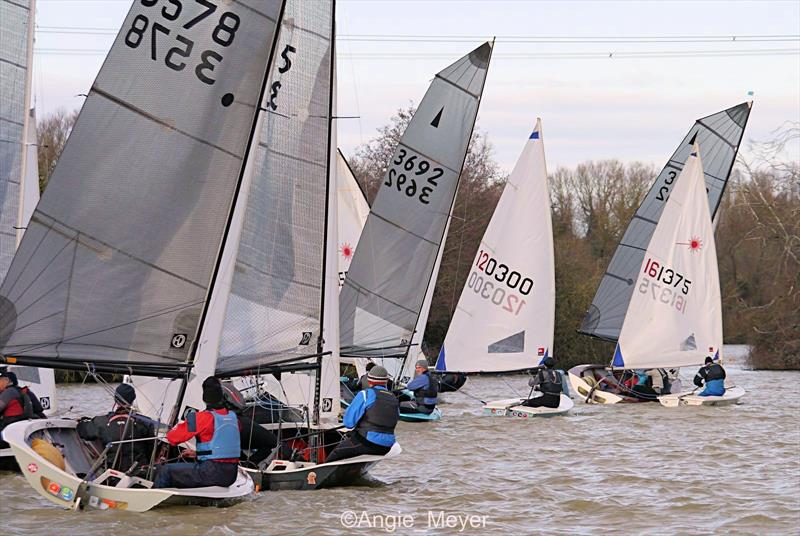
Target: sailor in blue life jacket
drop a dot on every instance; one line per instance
(16, 403)
(372, 415)
(425, 389)
(124, 430)
(547, 380)
(713, 376)
(216, 431)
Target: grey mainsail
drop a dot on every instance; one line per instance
(719, 136)
(16, 43)
(274, 311)
(118, 259)
(391, 270)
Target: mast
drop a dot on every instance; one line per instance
(327, 227)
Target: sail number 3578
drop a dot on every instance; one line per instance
(414, 176)
(191, 14)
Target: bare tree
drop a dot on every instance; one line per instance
(52, 133)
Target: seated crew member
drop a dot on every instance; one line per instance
(658, 379)
(216, 431)
(16, 403)
(547, 380)
(372, 416)
(643, 389)
(253, 437)
(713, 376)
(122, 424)
(363, 381)
(425, 389)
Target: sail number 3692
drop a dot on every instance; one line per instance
(407, 169)
(176, 57)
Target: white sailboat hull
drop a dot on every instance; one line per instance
(690, 398)
(66, 489)
(511, 408)
(587, 392)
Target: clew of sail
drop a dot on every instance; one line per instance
(505, 316)
(675, 314)
(390, 273)
(719, 135)
(116, 265)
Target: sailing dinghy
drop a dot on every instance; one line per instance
(505, 317)
(675, 315)
(719, 135)
(121, 268)
(383, 297)
(276, 300)
(19, 171)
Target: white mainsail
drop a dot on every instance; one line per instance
(505, 317)
(675, 315)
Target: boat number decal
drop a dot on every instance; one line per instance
(32, 467)
(485, 275)
(178, 340)
(327, 404)
(45, 402)
(312, 478)
(306, 338)
(663, 192)
(667, 275)
(408, 168)
(285, 67)
(161, 31)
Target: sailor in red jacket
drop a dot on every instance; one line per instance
(216, 431)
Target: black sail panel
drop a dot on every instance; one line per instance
(116, 262)
(385, 286)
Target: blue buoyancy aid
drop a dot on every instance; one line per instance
(225, 442)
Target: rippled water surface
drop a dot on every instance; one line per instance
(626, 469)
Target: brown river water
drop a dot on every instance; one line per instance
(628, 469)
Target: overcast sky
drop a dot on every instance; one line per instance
(680, 62)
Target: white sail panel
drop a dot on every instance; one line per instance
(116, 263)
(353, 212)
(675, 314)
(385, 288)
(505, 316)
(719, 135)
(29, 196)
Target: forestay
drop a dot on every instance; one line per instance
(116, 263)
(385, 286)
(505, 317)
(675, 314)
(719, 136)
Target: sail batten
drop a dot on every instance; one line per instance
(719, 135)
